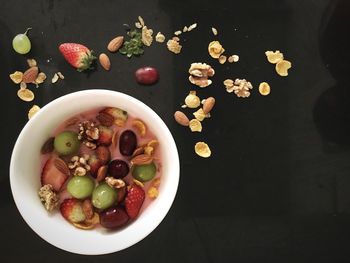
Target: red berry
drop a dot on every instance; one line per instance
(134, 200)
(147, 75)
(53, 176)
(113, 217)
(72, 210)
(79, 56)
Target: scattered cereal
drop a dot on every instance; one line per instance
(282, 67)
(31, 62)
(16, 77)
(214, 30)
(195, 125)
(222, 59)
(25, 94)
(40, 78)
(153, 192)
(192, 100)
(160, 37)
(147, 37)
(274, 57)
(174, 45)
(264, 88)
(55, 78)
(199, 114)
(215, 49)
(202, 149)
(33, 110)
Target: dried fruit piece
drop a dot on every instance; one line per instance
(174, 45)
(104, 61)
(199, 114)
(16, 77)
(115, 44)
(264, 88)
(31, 62)
(199, 74)
(274, 57)
(146, 36)
(282, 67)
(160, 37)
(140, 126)
(181, 118)
(208, 105)
(54, 78)
(202, 149)
(215, 49)
(195, 125)
(40, 78)
(192, 100)
(25, 94)
(30, 75)
(33, 110)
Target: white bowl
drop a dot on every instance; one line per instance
(25, 175)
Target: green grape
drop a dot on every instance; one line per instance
(144, 172)
(104, 196)
(80, 186)
(66, 143)
(21, 43)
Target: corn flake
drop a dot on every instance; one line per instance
(16, 77)
(282, 67)
(274, 57)
(25, 94)
(202, 149)
(264, 88)
(33, 110)
(199, 114)
(153, 192)
(215, 49)
(40, 78)
(192, 100)
(195, 125)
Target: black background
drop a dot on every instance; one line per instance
(276, 188)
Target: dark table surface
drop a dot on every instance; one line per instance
(277, 187)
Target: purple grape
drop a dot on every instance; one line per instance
(127, 143)
(118, 169)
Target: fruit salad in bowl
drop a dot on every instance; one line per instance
(103, 169)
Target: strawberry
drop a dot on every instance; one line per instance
(53, 176)
(72, 210)
(134, 200)
(105, 137)
(103, 153)
(79, 56)
(94, 164)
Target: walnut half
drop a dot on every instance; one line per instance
(199, 74)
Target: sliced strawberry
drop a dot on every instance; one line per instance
(72, 210)
(134, 200)
(51, 174)
(79, 56)
(105, 137)
(103, 153)
(94, 164)
(116, 113)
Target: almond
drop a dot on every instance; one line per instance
(181, 118)
(61, 166)
(104, 61)
(208, 105)
(115, 44)
(30, 75)
(88, 209)
(138, 151)
(105, 119)
(101, 173)
(141, 159)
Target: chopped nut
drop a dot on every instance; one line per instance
(195, 125)
(88, 133)
(101, 173)
(55, 78)
(137, 182)
(282, 67)
(115, 183)
(31, 62)
(138, 25)
(178, 32)
(48, 197)
(40, 78)
(202, 149)
(153, 143)
(199, 114)
(185, 29)
(90, 145)
(160, 37)
(274, 57)
(147, 37)
(174, 46)
(25, 94)
(214, 30)
(33, 110)
(192, 100)
(60, 75)
(233, 58)
(153, 192)
(80, 171)
(199, 73)
(191, 27)
(222, 59)
(17, 77)
(215, 49)
(23, 85)
(264, 88)
(142, 22)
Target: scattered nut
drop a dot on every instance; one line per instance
(282, 67)
(153, 143)
(222, 59)
(115, 183)
(208, 105)
(274, 57)
(240, 87)
(22, 85)
(142, 22)
(25, 94)
(101, 173)
(33, 110)
(181, 118)
(202, 149)
(104, 61)
(31, 62)
(192, 100)
(195, 125)
(264, 88)
(141, 159)
(148, 150)
(185, 29)
(215, 49)
(60, 75)
(30, 75)
(140, 127)
(174, 46)
(146, 34)
(40, 78)
(214, 30)
(115, 44)
(80, 171)
(160, 37)
(199, 73)
(191, 27)
(55, 78)
(177, 33)
(16, 77)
